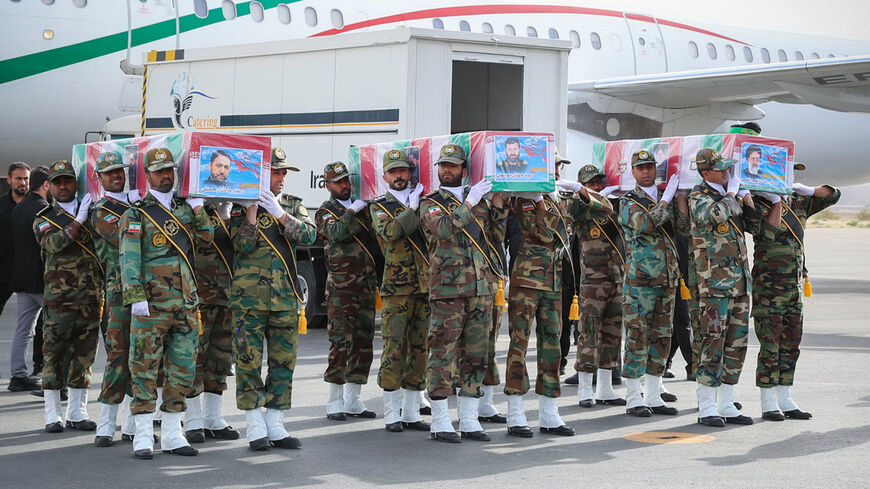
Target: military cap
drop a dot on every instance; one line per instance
(395, 158)
(452, 153)
(751, 128)
(799, 166)
(335, 171)
(60, 168)
(642, 157)
(109, 161)
(278, 160)
(588, 172)
(158, 159)
(710, 159)
(561, 159)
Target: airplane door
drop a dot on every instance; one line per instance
(647, 43)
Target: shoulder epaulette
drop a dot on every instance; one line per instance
(138, 203)
(379, 198)
(289, 197)
(430, 194)
(43, 210)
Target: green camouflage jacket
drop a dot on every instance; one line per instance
(260, 279)
(151, 268)
(214, 263)
(348, 263)
(72, 273)
(456, 267)
(406, 266)
(106, 221)
(600, 260)
(651, 258)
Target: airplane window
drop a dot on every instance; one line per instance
(814, 56)
(617, 42)
(729, 52)
(831, 56)
(798, 55)
(80, 3)
(229, 9)
(257, 11)
(711, 51)
(200, 8)
(486, 27)
(509, 30)
(337, 18)
(531, 31)
(595, 39)
(553, 33)
(283, 14)
(765, 55)
(464, 27)
(693, 49)
(747, 53)
(782, 56)
(641, 41)
(575, 39)
(437, 24)
(48, 2)
(310, 16)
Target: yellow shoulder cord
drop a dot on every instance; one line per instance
(685, 293)
(378, 303)
(574, 311)
(217, 248)
(302, 320)
(81, 244)
(808, 286)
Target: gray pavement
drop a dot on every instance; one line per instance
(829, 451)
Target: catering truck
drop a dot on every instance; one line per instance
(316, 97)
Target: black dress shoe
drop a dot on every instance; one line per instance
(228, 433)
(669, 374)
(289, 443)
(56, 427)
(690, 374)
(714, 421)
(739, 419)
(668, 397)
(520, 431)
(495, 418)
(395, 427)
(365, 414)
(738, 406)
(185, 451)
(446, 436)
(417, 425)
(336, 416)
(195, 436)
(103, 441)
(21, 384)
(797, 414)
(585, 403)
(666, 410)
(259, 444)
(563, 430)
(144, 454)
(573, 380)
(127, 437)
(773, 415)
(611, 402)
(83, 425)
(476, 435)
(426, 411)
(639, 411)
(37, 371)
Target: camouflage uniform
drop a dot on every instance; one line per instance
(264, 305)
(461, 285)
(153, 270)
(535, 292)
(777, 272)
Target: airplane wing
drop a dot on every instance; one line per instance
(840, 84)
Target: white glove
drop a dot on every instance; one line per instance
(224, 209)
(195, 202)
(733, 185)
(538, 197)
(773, 198)
(140, 309)
(84, 208)
(357, 206)
(609, 190)
(742, 193)
(569, 185)
(671, 188)
(270, 203)
(133, 196)
(414, 196)
(802, 189)
(477, 191)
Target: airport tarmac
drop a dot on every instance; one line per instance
(828, 451)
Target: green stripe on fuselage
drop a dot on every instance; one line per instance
(36, 63)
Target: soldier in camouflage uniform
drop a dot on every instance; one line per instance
(405, 312)
(158, 236)
(724, 283)
(214, 352)
(264, 300)
(777, 307)
(460, 228)
(652, 275)
(73, 296)
(603, 262)
(106, 222)
(352, 257)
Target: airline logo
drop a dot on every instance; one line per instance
(181, 95)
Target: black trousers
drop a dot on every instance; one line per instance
(682, 337)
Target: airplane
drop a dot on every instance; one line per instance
(68, 66)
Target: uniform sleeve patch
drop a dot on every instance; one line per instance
(303, 211)
(380, 214)
(134, 227)
(328, 217)
(43, 226)
(527, 206)
(237, 211)
(434, 210)
(111, 218)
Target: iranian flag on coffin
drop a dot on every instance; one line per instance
(615, 158)
(84, 158)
